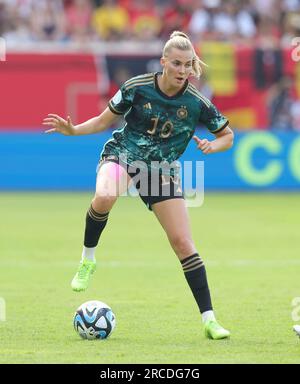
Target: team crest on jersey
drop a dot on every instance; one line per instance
(182, 112)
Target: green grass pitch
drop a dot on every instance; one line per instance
(249, 242)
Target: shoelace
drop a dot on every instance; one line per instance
(215, 325)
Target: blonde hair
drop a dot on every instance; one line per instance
(181, 41)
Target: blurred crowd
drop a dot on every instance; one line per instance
(113, 20)
(267, 25)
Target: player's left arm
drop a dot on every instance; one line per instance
(223, 141)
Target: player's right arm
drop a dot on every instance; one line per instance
(96, 124)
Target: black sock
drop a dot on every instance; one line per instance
(195, 274)
(94, 224)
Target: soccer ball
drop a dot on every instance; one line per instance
(296, 329)
(94, 320)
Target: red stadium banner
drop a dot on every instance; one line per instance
(33, 85)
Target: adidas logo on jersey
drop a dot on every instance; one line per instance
(147, 106)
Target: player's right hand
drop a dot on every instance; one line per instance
(58, 124)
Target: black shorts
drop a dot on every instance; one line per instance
(152, 187)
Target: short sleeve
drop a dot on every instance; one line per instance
(121, 102)
(212, 118)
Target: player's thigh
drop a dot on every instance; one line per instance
(112, 180)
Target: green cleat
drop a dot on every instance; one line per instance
(213, 330)
(81, 279)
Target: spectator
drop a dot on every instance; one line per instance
(144, 20)
(111, 21)
(266, 7)
(176, 16)
(48, 20)
(221, 21)
(291, 5)
(17, 30)
(291, 28)
(201, 23)
(78, 19)
(246, 27)
(3, 17)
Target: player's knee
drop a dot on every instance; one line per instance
(103, 203)
(182, 245)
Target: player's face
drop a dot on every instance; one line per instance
(177, 67)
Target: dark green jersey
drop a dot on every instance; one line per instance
(158, 127)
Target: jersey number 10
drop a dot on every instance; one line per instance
(166, 129)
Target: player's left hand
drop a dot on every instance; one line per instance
(204, 145)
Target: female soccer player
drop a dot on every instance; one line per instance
(161, 112)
